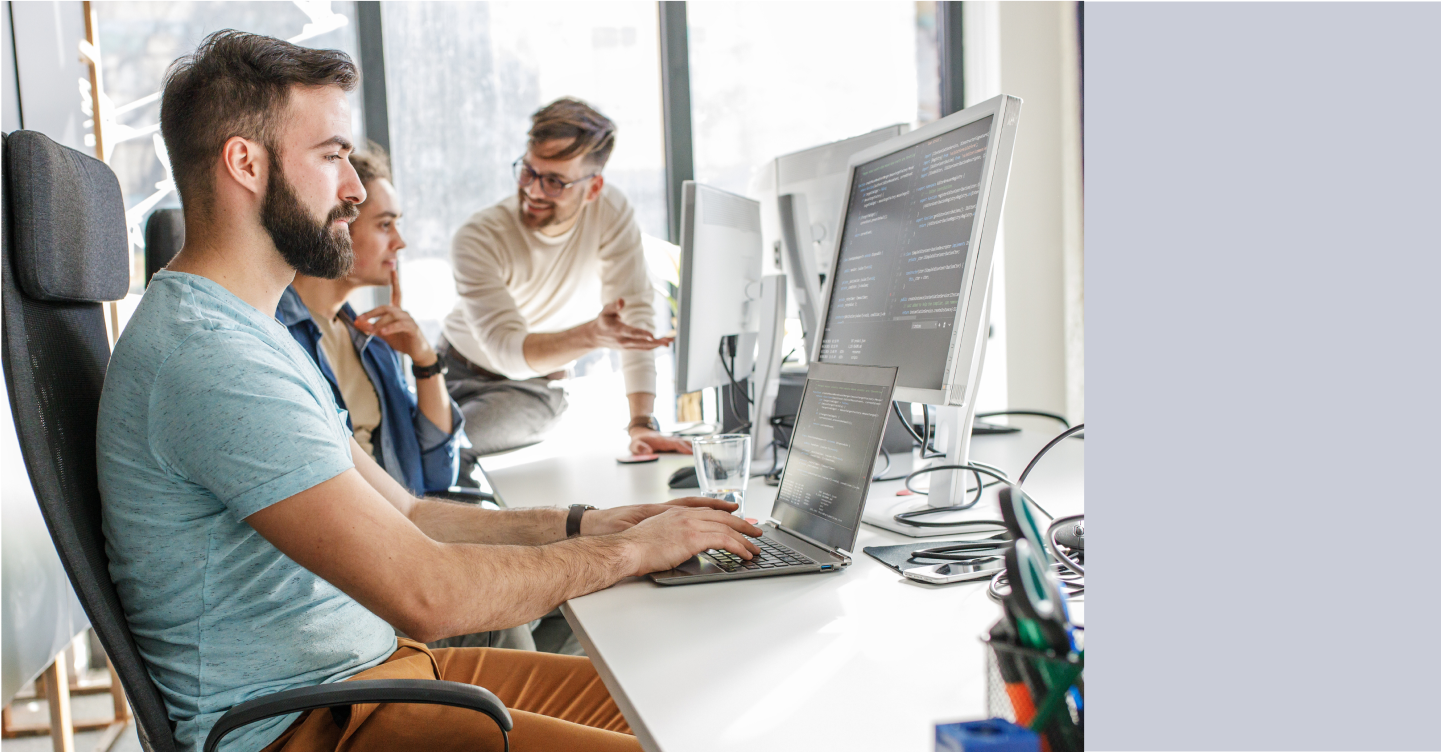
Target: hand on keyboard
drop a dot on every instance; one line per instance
(772, 556)
(666, 540)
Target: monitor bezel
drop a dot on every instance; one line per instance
(966, 350)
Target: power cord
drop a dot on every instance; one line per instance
(909, 518)
(1059, 550)
(729, 343)
(1032, 413)
(1066, 434)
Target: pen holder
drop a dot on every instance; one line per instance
(1039, 690)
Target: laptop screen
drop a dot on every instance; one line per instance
(833, 450)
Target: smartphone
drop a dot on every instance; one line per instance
(957, 571)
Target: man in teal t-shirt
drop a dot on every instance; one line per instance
(254, 547)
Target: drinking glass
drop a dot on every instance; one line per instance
(723, 465)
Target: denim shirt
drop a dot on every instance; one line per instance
(411, 448)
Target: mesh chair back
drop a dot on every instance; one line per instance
(164, 236)
(65, 251)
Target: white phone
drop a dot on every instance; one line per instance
(957, 571)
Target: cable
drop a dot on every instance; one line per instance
(1000, 585)
(985, 548)
(909, 518)
(1032, 413)
(1069, 432)
(882, 473)
(977, 470)
(1065, 560)
(736, 388)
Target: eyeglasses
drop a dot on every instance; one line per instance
(550, 185)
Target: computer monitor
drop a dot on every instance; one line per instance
(730, 315)
(801, 209)
(910, 282)
(720, 277)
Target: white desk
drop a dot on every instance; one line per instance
(860, 659)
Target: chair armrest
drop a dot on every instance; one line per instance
(467, 496)
(347, 693)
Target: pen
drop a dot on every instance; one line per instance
(1020, 697)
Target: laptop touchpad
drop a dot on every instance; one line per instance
(699, 565)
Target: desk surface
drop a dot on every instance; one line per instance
(859, 659)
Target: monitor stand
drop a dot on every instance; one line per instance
(948, 487)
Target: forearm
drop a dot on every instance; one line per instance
(550, 351)
(453, 522)
(641, 403)
(434, 401)
(479, 588)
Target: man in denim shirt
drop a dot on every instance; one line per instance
(417, 436)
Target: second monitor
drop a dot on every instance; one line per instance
(729, 314)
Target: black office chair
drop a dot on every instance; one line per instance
(64, 252)
(164, 237)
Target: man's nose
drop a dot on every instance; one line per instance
(534, 190)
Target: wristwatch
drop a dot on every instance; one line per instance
(572, 520)
(646, 421)
(438, 367)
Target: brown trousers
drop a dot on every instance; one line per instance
(557, 702)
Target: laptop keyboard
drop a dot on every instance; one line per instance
(773, 556)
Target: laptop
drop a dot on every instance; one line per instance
(817, 512)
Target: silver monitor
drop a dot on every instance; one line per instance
(720, 287)
(803, 226)
(909, 284)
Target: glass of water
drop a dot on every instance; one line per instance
(723, 465)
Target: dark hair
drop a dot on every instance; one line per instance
(372, 163)
(593, 132)
(235, 84)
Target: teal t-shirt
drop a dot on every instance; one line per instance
(211, 412)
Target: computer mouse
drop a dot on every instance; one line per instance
(684, 478)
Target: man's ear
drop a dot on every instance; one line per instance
(596, 183)
(244, 163)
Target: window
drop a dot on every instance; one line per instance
(772, 78)
(462, 82)
(139, 41)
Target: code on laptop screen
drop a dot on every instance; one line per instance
(832, 452)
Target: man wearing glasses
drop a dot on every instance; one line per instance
(545, 277)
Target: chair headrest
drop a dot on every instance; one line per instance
(164, 237)
(67, 222)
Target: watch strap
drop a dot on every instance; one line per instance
(643, 421)
(438, 367)
(572, 520)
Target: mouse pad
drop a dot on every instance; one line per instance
(899, 557)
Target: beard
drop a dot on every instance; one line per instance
(554, 216)
(314, 249)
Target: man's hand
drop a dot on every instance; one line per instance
(607, 330)
(664, 541)
(392, 324)
(619, 519)
(646, 441)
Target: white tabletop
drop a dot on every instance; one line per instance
(860, 659)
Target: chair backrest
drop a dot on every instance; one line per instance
(65, 251)
(164, 235)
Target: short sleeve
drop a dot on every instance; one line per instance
(251, 429)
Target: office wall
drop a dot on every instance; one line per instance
(1029, 50)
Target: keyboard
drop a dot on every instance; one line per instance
(773, 556)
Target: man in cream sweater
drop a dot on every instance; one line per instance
(545, 277)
